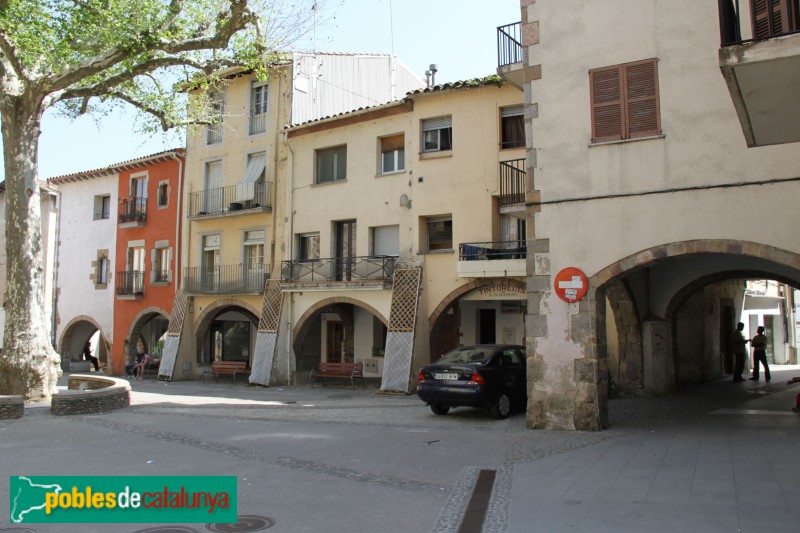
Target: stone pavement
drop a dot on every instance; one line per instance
(720, 457)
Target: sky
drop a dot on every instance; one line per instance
(459, 36)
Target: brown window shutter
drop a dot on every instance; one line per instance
(780, 17)
(607, 109)
(641, 91)
(393, 142)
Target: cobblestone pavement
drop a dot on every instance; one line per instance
(334, 459)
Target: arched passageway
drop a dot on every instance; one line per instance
(226, 331)
(80, 331)
(147, 332)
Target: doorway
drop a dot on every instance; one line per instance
(487, 326)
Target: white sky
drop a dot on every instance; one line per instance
(458, 35)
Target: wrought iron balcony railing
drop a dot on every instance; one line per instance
(509, 44)
(766, 19)
(483, 251)
(339, 269)
(214, 134)
(513, 181)
(161, 276)
(231, 199)
(258, 123)
(225, 279)
(130, 283)
(132, 210)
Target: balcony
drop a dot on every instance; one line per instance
(132, 212)
(130, 285)
(258, 123)
(492, 259)
(243, 198)
(369, 272)
(509, 53)
(760, 60)
(225, 279)
(513, 183)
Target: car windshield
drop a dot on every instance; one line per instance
(473, 355)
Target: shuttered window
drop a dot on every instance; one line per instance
(386, 241)
(393, 153)
(784, 15)
(625, 103)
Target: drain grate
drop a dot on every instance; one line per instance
(246, 524)
(167, 529)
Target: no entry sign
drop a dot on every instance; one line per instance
(571, 284)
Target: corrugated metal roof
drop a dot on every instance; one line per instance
(118, 167)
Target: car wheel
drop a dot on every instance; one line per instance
(501, 407)
(439, 409)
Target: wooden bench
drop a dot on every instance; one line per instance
(349, 371)
(226, 367)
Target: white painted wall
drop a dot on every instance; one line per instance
(79, 239)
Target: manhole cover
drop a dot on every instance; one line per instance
(167, 529)
(245, 524)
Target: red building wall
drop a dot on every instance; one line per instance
(161, 225)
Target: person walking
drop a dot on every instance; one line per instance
(759, 344)
(739, 352)
(87, 355)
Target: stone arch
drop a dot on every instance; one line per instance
(459, 292)
(68, 333)
(304, 322)
(138, 322)
(211, 310)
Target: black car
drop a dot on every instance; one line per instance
(490, 376)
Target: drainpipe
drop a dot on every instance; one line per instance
(54, 299)
(178, 253)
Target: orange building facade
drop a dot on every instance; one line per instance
(147, 261)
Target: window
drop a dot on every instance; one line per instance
(437, 134)
(216, 112)
(102, 206)
(102, 271)
(512, 127)
(254, 249)
(332, 164)
(160, 266)
(386, 241)
(309, 247)
(251, 188)
(212, 194)
(624, 101)
(258, 108)
(163, 194)
(440, 233)
(393, 154)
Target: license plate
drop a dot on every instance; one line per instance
(445, 376)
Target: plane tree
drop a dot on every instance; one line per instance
(83, 56)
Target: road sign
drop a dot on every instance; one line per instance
(571, 284)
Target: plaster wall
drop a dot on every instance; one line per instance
(80, 238)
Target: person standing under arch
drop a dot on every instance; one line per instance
(759, 344)
(87, 355)
(739, 352)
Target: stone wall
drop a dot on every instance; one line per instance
(91, 394)
(11, 407)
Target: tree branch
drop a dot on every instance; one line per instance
(10, 56)
(235, 19)
(162, 117)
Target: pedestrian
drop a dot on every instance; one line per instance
(147, 359)
(130, 368)
(759, 344)
(87, 355)
(739, 352)
(796, 407)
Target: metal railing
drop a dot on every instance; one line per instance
(228, 199)
(258, 123)
(130, 283)
(339, 269)
(161, 276)
(509, 44)
(513, 181)
(778, 19)
(225, 279)
(132, 210)
(483, 251)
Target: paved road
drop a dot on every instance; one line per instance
(721, 457)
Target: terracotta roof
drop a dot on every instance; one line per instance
(118, 167)
(343, 114)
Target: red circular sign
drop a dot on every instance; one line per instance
(571, 284)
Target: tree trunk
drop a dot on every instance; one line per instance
(29, 366)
